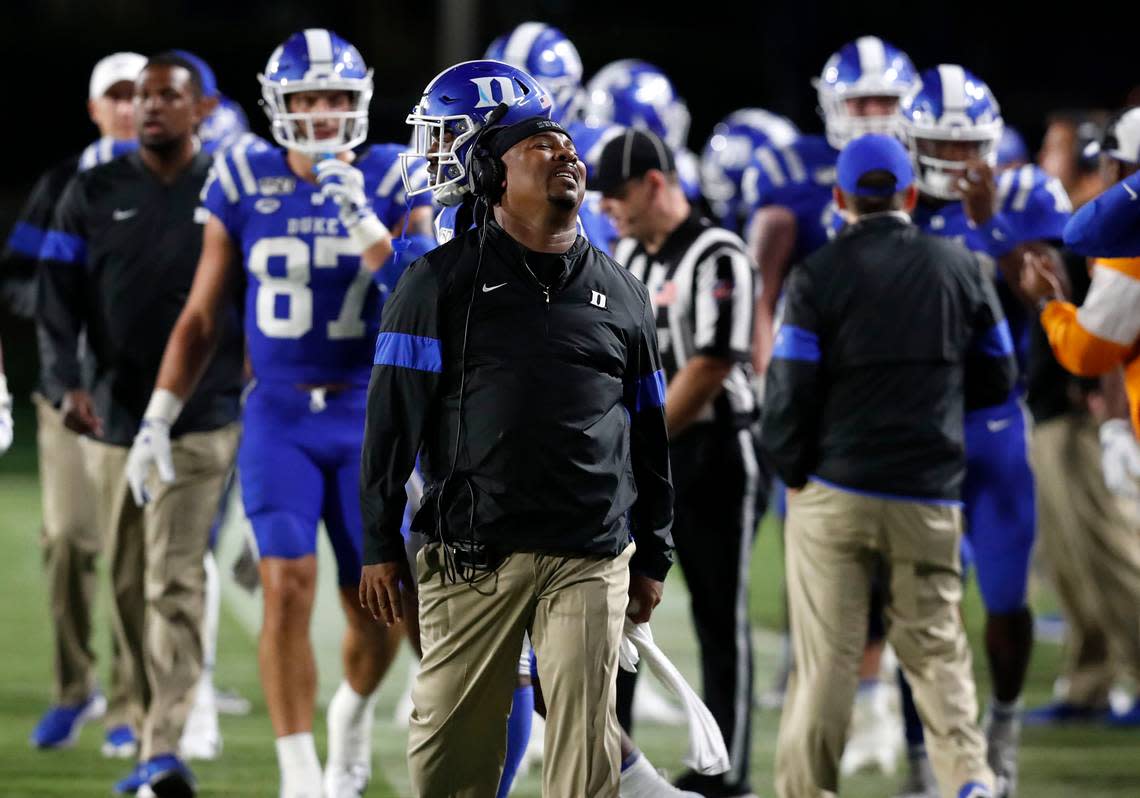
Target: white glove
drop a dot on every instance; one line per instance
(1120, 457)
(343, 183)
(152, 444)
(7, 426)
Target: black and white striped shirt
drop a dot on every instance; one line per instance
(701, 283)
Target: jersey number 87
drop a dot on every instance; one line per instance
(295, 285)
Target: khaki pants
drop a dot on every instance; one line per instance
(1092, 554)
(157, 577)
(574, 609)
(833, 541)
(71, 541)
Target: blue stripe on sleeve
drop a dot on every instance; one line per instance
(26, 240)
(997, 342)
(796, 343)
(650, 391)
(64, 247)
(408, 351)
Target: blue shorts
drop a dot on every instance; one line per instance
(999, 496)
(298, 467)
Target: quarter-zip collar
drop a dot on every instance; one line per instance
(515, 255)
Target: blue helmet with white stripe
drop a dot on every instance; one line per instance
(866, 67)
(635, 93)
(316, 60)
(948, 118)
(455, 106)
(730, 150)
(547, 54)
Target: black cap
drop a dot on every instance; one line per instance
(630, 155)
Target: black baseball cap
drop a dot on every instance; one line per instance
(630, 155)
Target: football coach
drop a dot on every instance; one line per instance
(522, 363)
(887, 335)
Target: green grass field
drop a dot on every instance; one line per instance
(1090, 762)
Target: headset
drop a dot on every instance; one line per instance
(485, 171)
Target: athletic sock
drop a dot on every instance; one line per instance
(350, 726)
(915, 739)
(299, 765)
(518, 735)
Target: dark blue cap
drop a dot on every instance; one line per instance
(873, 153)
(205, 74)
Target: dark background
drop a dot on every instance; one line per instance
(721, 56)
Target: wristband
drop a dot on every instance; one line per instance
(996, 237)
(5, 397)
(164, 406)
(364, 228)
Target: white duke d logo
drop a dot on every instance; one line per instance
(487, 92)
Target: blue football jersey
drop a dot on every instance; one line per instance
(1032, 206)
(312, 310)
(798, 177)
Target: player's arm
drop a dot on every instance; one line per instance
(792, 405)
(188, 352)
(401, 393)
(771, 240)
(1109, 225)
(990, 366)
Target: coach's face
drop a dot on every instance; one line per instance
(167, 106)
(544, 169)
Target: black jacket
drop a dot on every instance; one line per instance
(118, 262)
(888, 336)
(562, 445)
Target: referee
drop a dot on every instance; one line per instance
(119, 260)
(700, 279)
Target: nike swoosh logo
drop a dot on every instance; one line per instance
(998, 424)
(489, 288)
(1131, 194)
(122, 216)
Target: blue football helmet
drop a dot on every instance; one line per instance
(316, 60)
(546, 53)
(730, 150)
(866, 67)
(637, 94)
(1011, 149)
(949, 104)
(454, 108)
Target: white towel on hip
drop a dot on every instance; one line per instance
(707, 753)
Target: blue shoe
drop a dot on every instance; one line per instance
(59, 727)
(974, 790)
(1062, 712)
(130, 785)
(168, 777)
(120, 743)
(1126, 720)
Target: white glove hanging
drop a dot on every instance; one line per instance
(1120, 457)
(152, 444)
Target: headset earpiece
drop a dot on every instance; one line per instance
(485, 172)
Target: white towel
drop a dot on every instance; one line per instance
(707, 753)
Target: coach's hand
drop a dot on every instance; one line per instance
(78, 411)
(380, 590)
(151, 448)
(644, 596)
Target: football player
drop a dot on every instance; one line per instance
(634, 93)
(788, 189)
(729, 151)
(310, 220)
(952, 125)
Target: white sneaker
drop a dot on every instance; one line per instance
(649, 706)
(1002, 739)
(201, 736)
(876, 737)
(346, 782)
(641, 780)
